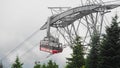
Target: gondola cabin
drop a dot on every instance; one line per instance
(51, 45)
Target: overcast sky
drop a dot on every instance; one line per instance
(19, 19)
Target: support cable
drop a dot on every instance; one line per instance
(111, 1)
(23, 55)
(19, 45)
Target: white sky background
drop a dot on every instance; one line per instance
(19, 19)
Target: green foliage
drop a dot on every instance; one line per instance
(110, 47)
(37, 65)
(1, 65)
(17, 63)
(44, 66)
(93, 57)
(77, 60)
(50, 64)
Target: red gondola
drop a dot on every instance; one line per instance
(51, 45)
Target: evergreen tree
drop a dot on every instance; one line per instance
(17, 63)
(44, 66)
(110, 47)
(93, 57)
(52, 64)
(37, 65)
(1, 65)
(77, 60)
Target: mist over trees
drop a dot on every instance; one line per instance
(104, 52)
